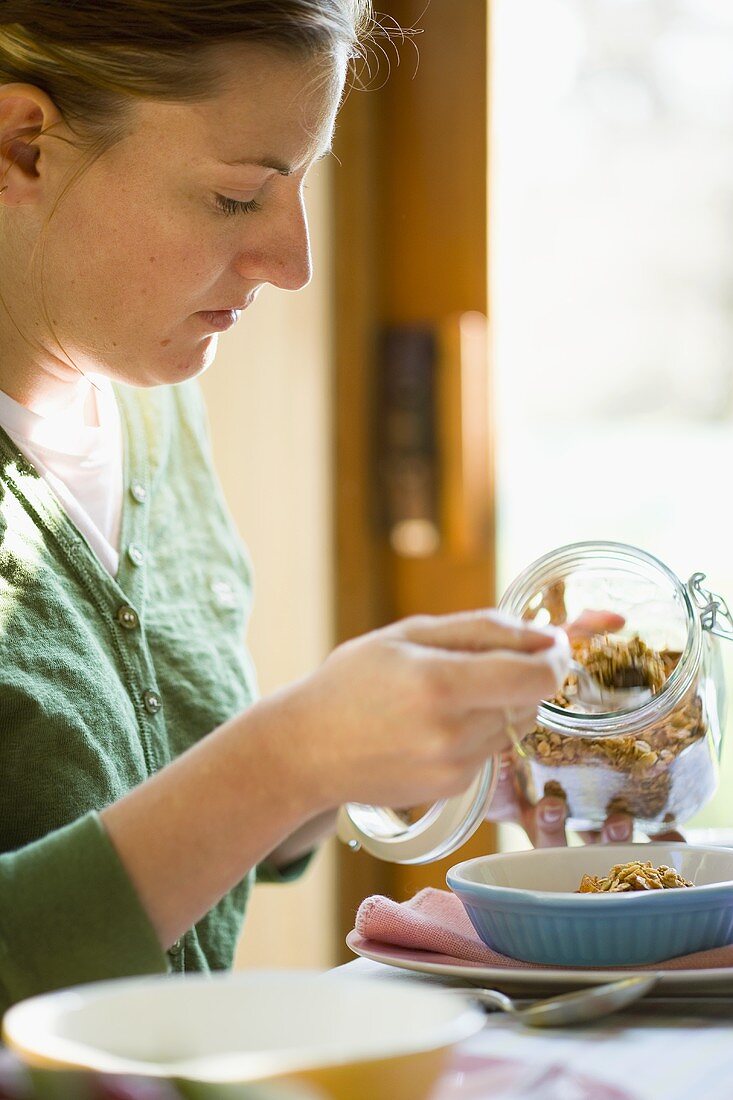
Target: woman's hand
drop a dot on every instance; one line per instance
(544, 823)
(408, 714)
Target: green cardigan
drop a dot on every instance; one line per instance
(102, 682)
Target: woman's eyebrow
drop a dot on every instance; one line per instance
(272, 164)
(268, 162)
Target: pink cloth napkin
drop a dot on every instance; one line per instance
(435, 921)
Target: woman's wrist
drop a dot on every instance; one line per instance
(305, 839)
(283, 726)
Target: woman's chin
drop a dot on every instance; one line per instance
(166, 364)
(180, 364)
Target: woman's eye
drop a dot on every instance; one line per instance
(236, 206)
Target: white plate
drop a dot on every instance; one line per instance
(717, 982)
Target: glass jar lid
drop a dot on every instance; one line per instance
(439, 831)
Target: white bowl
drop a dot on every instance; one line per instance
(353, 1038)
(525, 904)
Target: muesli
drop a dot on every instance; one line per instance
(644, 761)
(634, 876)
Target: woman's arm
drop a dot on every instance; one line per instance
(190, 833)
(401, 716)
(69, 914)
(304, 840)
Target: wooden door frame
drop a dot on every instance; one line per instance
(411, 245)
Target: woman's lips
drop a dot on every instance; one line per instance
(219, 320)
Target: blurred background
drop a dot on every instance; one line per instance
(612, 288)
(519, 334)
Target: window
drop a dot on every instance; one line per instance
(612, 283)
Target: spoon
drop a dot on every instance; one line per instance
(629, 693)
(570, 1008)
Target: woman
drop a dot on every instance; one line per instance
(152, 160)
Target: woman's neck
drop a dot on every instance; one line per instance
(40, 381)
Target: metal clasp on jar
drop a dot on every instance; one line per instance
(715, 614)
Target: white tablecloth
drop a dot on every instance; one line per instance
(633, 1056)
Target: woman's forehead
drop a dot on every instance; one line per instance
(269, 107)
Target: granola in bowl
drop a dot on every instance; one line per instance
(634, 876)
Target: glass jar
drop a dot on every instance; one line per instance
(659, 760)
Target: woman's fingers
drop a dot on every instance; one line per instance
(482, 660)
(545, 822)
(519, 723)
(484, 733)
(589, 623)
(618, 829)
(499, 678)
(670, 838)
(505, 805)
(476, 631)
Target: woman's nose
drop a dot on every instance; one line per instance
(283, 258)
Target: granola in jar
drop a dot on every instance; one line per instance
(654, 755)
(641, 763)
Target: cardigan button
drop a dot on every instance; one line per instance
(139, 492)
(128, 617)
(135, 554)
(152, 701)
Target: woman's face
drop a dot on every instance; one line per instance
(169, 234)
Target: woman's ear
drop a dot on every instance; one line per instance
(25, 114)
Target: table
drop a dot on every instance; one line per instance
(638, 1055)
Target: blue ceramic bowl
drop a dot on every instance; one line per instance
(524, 904)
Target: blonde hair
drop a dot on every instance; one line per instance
(92, 57)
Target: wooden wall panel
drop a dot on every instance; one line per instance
(411, 242)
